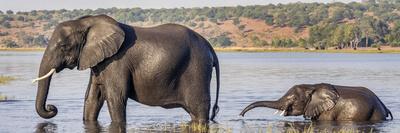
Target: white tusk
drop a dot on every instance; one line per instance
(283, 112)
(45, 76)
(276, 112)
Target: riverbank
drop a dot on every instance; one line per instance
(329, 50)
(268, 49)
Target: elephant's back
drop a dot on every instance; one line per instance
(165, 34)
(352, 91)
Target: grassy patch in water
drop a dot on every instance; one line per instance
(290, 128)
(5, 79)
(3, 97)
(22, 49)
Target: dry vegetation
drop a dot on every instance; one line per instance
(5, 79)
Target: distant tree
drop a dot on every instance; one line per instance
(221, 41)
(40, 40)
(236, 21)
(302, 43)
(280, 19)
(269, 20)
(4, 33)
(337, 38)
(192, 24)
(6, 24)
(10, 43)
(33, 13)
(242, 27)
(9, 12)
(258, 42)
(393, 38)
(26, 39)
(21, 18)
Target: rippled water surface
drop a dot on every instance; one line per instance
(245, 77)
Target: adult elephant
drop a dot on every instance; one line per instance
(167, 65)
(328, 102)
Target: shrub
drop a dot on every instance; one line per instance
(4, 33)
(6, 24)
(221, 41)
(10, 43)
(258, 42)
(395, 44)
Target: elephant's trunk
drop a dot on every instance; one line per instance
(269, 104)
(44, 111)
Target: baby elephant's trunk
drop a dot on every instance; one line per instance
(269, 104)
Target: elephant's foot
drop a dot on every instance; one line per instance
(197, 126)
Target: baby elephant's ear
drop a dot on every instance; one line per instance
(323, 98)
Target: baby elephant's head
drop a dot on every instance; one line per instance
(308, 100)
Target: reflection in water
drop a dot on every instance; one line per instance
(330, 126)
(280, 126)
(46, 127)
(117, 127)
(313, 126)
(92, 127)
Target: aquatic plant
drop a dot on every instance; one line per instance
(5, 79)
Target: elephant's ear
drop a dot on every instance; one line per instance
(104, 38)
(323, 98)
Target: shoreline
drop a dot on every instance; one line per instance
(392, 50)
(389, 50)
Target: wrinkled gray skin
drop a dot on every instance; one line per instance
(168, 66)
(328, 102)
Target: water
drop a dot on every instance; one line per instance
(245, 77)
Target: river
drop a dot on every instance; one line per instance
(245, 78)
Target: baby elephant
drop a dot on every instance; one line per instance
(328, 102)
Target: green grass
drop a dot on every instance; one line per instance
(5, 79)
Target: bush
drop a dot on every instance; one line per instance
(236, 21)
(395, 44)
(375, 45)
(221, 41)
(192, 24)
(258, 42)
(6, 24)
(40, 40)
(4, 33)
(21, 18)
(10, 43)
(241, 27)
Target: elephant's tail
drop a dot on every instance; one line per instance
(388, 112)
(215, 107)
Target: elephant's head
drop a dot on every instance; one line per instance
(307, 100)
(81, 43)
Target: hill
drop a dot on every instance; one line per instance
(308, 25)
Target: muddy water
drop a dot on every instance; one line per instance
(245, 77)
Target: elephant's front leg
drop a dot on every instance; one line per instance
(93, 101)
(116, 102)
(116, 87)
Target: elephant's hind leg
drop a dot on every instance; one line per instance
(378, 115)
(197, 94)
(199, 111)
(93, 101)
